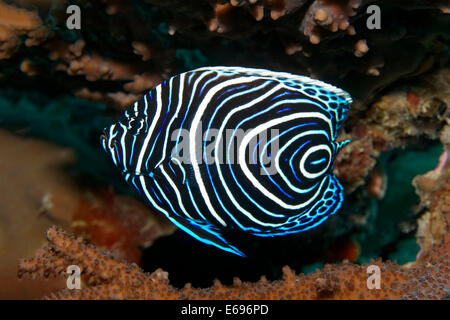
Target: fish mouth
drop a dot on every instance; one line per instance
(107, 138)
(104, 140)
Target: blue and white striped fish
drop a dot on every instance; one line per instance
(220, 114)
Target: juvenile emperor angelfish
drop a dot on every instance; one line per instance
(231, 147)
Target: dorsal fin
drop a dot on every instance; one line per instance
(336, 101)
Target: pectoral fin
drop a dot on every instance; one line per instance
(159, 191)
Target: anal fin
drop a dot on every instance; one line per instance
(205, 232)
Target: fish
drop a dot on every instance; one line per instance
(234, 148)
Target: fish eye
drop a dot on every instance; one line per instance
(136, 126)
(113, 143)
(130, 123)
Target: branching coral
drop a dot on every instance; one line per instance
(107, 278)
(15, 22)
(72, 60)
(324, 38)
(331, 15)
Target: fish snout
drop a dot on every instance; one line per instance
(104, 139)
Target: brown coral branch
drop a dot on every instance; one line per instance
(329, 14)
(107, 278)
(15, 22)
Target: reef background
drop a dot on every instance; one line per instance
(60, 87)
